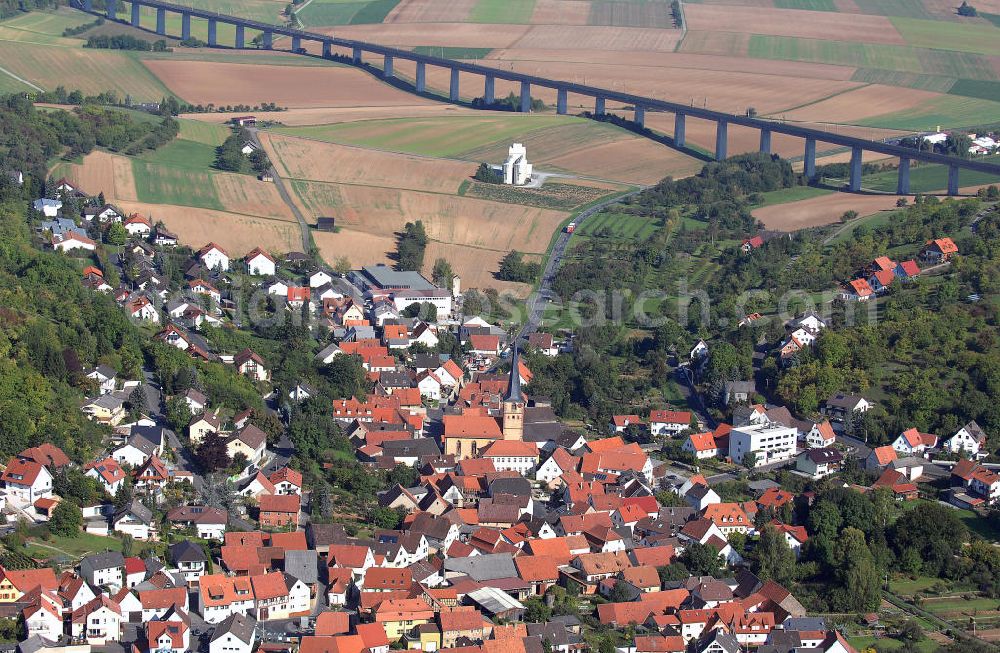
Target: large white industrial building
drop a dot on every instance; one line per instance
(516, 169)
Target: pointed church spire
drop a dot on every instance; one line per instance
(514, 385)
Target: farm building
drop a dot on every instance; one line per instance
(326, 224)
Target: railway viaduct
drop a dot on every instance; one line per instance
(359, 50)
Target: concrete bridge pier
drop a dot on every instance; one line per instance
(213, 28)
(327, 50)
(453, 86)
(903, 180)
(88, 5)
(525, 97)
(599, 103)
(561, 101)
(387, 67)
(855, 181)
(765, 141)
(161, 20)
(679, 124)
(421, 84)
(721, 140)
(296, 43)
(241, 37)
(356, 56)
(185, 26)
(267, 39)
(640, 116)
(112, 9)
(809, 159)
(953, 180)
(489, 91)
(136, 18)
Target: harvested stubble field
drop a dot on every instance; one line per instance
(201, 82)
(859, 104)
(299, 158)
(235, 232)
(448, 218)
(822, 210)
(793, 23)
(101, 172)
(321, 116)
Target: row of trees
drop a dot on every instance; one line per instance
(125, 42)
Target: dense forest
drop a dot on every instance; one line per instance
(30, 138)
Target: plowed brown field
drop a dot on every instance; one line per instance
(793, 22)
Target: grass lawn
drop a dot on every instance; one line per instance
(958, 604)
(926, 645)
(949, 35)
(927, 178)
(793, 194)
(76, 547)
(517, 12)
(618, 226)
(908, 587)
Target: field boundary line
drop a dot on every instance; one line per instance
(822, 99)
(21, 79)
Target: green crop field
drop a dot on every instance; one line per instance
(42, 26)
(908, 8)
(936, 83)
(454, 136)
(947, 112)
(927, 178)
(516, 12)
(179, 185)
(10, 85)
(327, 12)
(453, 53)
(977, 89)
(812, 5)
(943, 35)
(866, 55)
(92, 71)
(870, 221)
(267, 11)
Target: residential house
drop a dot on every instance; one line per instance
(969, 441)
(249, 441)
(237, 633)
(512, 455)
(220, 596)
(140, 308)
(200, 426)
(259, 263)
(767, 444)
(840, 406)
(701, 445)
(879, 458)
(939, 250)
(207, 523)
(104, 569)
(138, 225)
(821, 435)
(668, 423)
(912, 442)
(170, 633)
(619, 423)
(72, 240)
(42, 615)
(819, 462)
(108, 473)
(249, 363)
(189, 559)
(98, 622)
(543, 343)
(277, 511)
(213, 257)
(48, 207)
(857, 290)
(134, 519)
(26, 481)
(286, 481)
(106, 378)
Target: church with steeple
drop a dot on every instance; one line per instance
(512, 414)
(471, 429)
